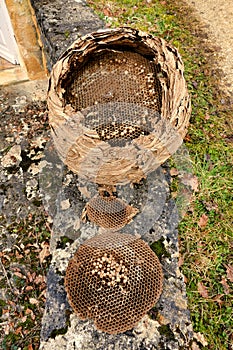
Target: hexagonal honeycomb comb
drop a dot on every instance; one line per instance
(113, 279)
(108, 211)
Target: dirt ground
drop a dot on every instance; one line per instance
(218, 19)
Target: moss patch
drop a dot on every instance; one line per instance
(159, 249)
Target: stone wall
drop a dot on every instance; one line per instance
(62, 22)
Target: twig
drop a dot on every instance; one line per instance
(5, 275)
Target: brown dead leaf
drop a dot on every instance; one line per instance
(18, 256)
(18, 274)
(33, 301)
(31, 276)
(229, 272)
(190, 180)
(30, 347)
(31, 313)
(217, 298)
(28, 311)
(23, 319)
(45, 252)
(211, 205)
(42, 294)
(202, 290)
(225, 286)
(39, 279)
(181, 260)
(195, 346)
(187, 137)
(200, 338)
(107, 12)
(18, 330)
(203, 221)
(7, 329)
(28, 288)
(174, 172)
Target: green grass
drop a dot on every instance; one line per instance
(206, 251)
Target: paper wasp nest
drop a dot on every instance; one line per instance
(108, 211)
(113, 279)
(118, 105)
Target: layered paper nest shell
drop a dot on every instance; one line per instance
(118, 105)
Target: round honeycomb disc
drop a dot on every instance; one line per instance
(109, 212)
(113, 279)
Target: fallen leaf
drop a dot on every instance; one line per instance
(45, 252)
(23, 319)
(202, 290)
(187, 137)
(39, 279)
(203, 221)
(229, 272)
(28, 311)
(28, 288)
(225, 286)
(190, 180)
(30, 347)
(31, 276)
(42, 294)
(7, 329)
(200, 338)
(217, 298)
(185, 279)
(18, 256)
(211, 206)
(18, 330)
(5, 311)
(33, 301)
(174, 172)
(107, 12)
(195, 346)
(180, 261)
(18, 274)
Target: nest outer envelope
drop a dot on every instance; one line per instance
(81, 149)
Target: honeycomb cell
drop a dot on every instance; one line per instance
(102, 281)
(108, 211)
(116, 76)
